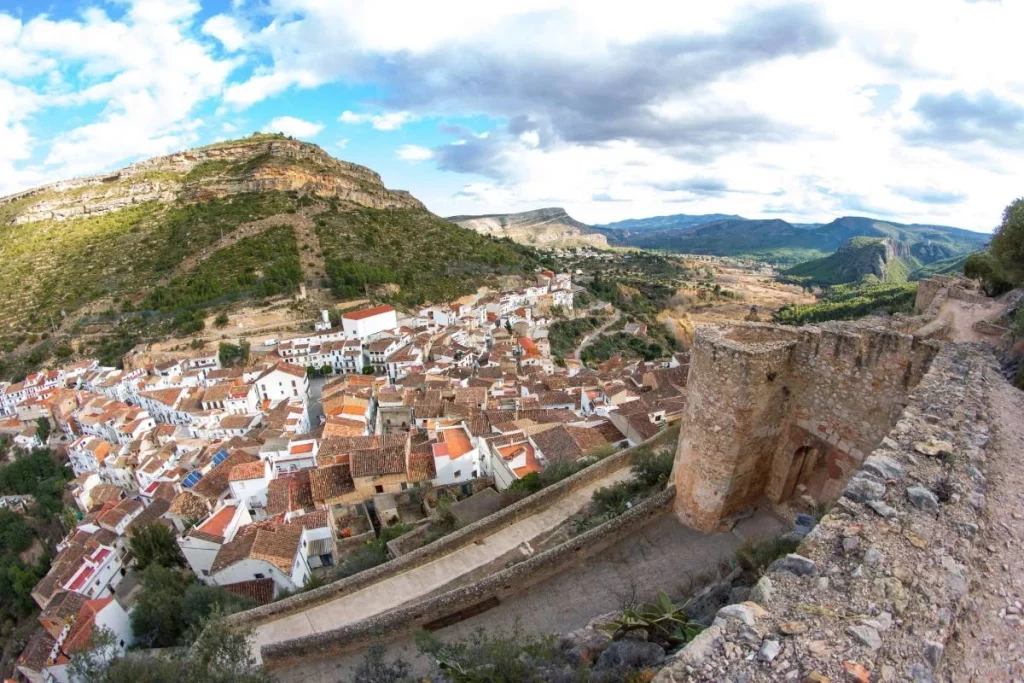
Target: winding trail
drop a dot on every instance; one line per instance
(589, 339)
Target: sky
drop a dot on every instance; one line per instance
(910, 110)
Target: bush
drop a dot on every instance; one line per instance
(221, 320)
(982, 266)
(653, 468)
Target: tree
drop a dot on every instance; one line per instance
(982, 266)
(326, 369)
(221, 320)
(173, 605)
(218, 655)
(1007, 246)
(43, 430)
(368, 370)
(154, 543)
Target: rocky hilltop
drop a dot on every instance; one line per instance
(146, 251)
(548, 228)
(260, 163)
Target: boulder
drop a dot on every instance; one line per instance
(631, 654)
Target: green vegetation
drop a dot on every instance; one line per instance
(174, 605)
(982, 266)
(261, 265)
(234, 355)
(218, 654)
(18, 575)
(650, 471)
(664, 622)
(626, 345)
(155, 543)
(39, 475)
(846, 302)
(428, 258)
(1007, 247)
(785, 244)
(860, 257)
(565, 335)
(371, 553)
(54, 268)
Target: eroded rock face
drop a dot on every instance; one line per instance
(551, 227)
(258, 166)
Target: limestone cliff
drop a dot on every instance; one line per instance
(549, 228)
(884, 259)
(256, 164)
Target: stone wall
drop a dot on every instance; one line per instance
(471, 599)
(874, 591)
(443, 546)
(776, 411)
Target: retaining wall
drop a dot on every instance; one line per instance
(443, 546)
(475, 597)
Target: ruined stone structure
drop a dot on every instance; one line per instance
(774, 411)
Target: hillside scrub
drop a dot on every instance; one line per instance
(847, 302)
(428, 258)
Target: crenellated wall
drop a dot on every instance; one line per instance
(777, 412)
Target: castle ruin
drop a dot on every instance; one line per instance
(775, 412)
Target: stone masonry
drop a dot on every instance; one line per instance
(874, 591)
(776, 412)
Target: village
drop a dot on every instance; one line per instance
(272, 471)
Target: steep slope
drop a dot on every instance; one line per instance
(875, 258)
(242, 218)
(549, 228)
(787, 244)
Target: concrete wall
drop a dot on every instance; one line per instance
(758, 394)
(457, 539)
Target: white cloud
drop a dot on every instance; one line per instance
(342, 143)
(414, 153)
(385, 122)
(226, 30)
(297, 128)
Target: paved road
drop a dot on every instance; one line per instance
(663, 556)
(589, 339)
(421, 581)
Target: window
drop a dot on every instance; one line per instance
(378, 488)
(259, 576)
(404, 486)
(458, 473)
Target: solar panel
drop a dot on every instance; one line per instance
(219, 457)
(192, 479)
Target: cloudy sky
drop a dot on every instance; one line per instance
(909, 110)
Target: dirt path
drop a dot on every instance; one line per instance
(989, 643)
(956, 320)
(589, 339)
(305, 235)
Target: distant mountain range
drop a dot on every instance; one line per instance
(785, 243)
(548, 228)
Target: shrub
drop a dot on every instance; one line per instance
(221, 320)
(653, 468)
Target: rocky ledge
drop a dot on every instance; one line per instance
(874, 591)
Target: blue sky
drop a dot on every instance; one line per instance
(912, 111)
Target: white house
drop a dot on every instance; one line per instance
(248, 483)
(456, 458)
(283, 381)
(263, 550)
(369, 321)
(202, 543)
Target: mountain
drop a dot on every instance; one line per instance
(784, 243)
(877, 258)
(158, 241)
(548, 228)
(622, 230)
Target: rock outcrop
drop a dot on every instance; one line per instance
(550, 228)
(258, 164)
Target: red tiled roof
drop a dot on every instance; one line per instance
(368, 312)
